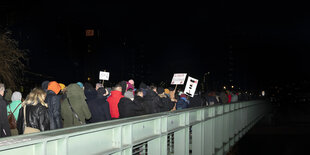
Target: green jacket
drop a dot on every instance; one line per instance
(75, 95)
(13, 105)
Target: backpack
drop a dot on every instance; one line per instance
(11, 118)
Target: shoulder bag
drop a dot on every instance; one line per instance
(74, 113)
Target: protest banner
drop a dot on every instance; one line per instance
(178, 78)
(191, 86)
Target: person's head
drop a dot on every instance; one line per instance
(131, 82)
(36, 96)
(183, 95)
(62, 86)
(160, 90)
(102, 91)
(167, 91)
(80, 84)
(129, 94)
(16, 96)
(154, 88)
(139, 92)
(2, 89)
(44, 85)
(54, 86)
(98, 85)
(117, 87)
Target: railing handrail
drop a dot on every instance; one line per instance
(22, 140)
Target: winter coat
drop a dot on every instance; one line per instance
(126, 108)
(113, 100)
(99, 108)
(223, 97)
(229, 98)
(211, 100)
(167, 103)
(182, 103)
(54, 111)
(11, 107)
(152, 102)
(195, 101)
(4, 122)
(76, 97)
(139, 102)
(37, 116)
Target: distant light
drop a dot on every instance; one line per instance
(263, 93)
(224, 87)
(89, 33)
(232, 86)
(88, 78)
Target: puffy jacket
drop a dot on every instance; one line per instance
(182, 103)
(113, 102)
(167, 103)
(152, 102)
(126, 108)
(99, 108)
(4, 123)
(139, 102)
(36, 117)
(54, 110)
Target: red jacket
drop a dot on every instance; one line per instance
(113, 102)
(229, 98)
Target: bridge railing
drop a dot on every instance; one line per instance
(201, 130)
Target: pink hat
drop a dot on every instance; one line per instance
(131, 82)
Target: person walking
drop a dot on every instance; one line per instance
(74, 109)
(99, 107)
(113, 99)
(37, 115)
(4, 122)
(53, 102)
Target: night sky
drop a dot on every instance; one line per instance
(269, 41)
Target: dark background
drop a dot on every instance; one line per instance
(251, 45)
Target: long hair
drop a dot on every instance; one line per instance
(36, 96)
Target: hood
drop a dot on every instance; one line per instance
(54, 86)
(44, 85)
(116, 93)
(74, 90)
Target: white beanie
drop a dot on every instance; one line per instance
(16, 96)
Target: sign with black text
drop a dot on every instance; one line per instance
(191, 86)
(178, 78)
(104, 75)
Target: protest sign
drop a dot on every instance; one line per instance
(104, 75)
(178, 78)
(191, 86)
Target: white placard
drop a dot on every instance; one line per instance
(104, 75)
(191, 86)
(178, 78)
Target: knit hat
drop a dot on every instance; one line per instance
(62, 86)
(80, 84)
(131, 82)
(44, 85)
(54, 86)
(166, 91)
(129, 94)
(160, 90)
(17, 96)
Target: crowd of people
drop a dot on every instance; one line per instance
(55, 105)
